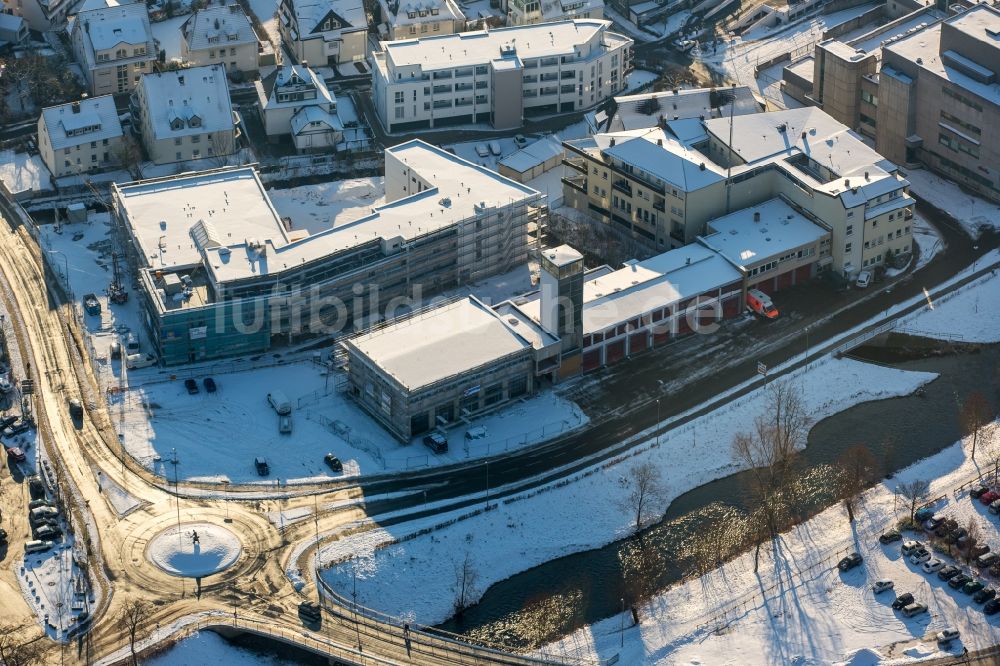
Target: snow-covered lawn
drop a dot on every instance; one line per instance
(207, 647)
(800, 609)
(972, 212)
(414, 578)
(21, 172)
(176, 552)
(971, 314)
(168, 34)
(266, 11)
(324, 205)
(638, 79)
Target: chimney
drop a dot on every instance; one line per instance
(76, 107)
(659, 142)
(756, 216)
(847, 182)
(688, 262)
(612, 144)
(701, 167)
(866, 176)
(180, 79)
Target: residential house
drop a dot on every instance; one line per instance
(221, 35)
(405, 19)
(80, 137)
(294, 100)
(114, 46)
(13, 30)
(324, 33)
(526, 12)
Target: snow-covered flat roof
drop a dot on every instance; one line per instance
(480, 46)
(656, 152)
(216, 26)
(760, 232)
(441, 342)
(185, 93)
(98, 113)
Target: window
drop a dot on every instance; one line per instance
(959, 97)
(847, 248)
(232, 52)
(399, 96)
(850, 230)
(177, 141)
(195, 139)
(869, 98)
(104, 142)
(121, 53)
(958, 122)
(178, 156)
(958, 145)
(399, 112)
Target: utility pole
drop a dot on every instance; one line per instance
(729, 163)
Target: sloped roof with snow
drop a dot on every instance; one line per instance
(98, 114)
(200, 92)
(306, 116)
(645, 110)
(534, 154)
(655, 152)
(292, 75)
(106, 27)
(310, 14)
(404, 12)
(218, 26)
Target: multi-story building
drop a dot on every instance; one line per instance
(221, 35)
(498, 76)
(185, 114)
(647, 110)
(664, 185)
(80, 137)
(294, 101)
(41, 15)
(13, 30)
(526, 12)
(324, 33)
(408, 19)
(114, 46)
(222, 273)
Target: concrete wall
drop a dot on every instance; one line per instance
(507, 102)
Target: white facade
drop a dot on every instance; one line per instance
(80, 137)
(294, 100)
(526, 12)
(41, 15)
(322, 32)
(185, 115)
(223, 36)
(114, 46)
(498, 76)
(409, 19)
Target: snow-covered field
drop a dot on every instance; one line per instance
(969, 315)
(800, 609)
(971, 211)
(21, 172)
(207, 647)
(168, 35)
(323, 205)
(414, 578)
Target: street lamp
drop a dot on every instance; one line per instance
(657, 421)
(621, 628)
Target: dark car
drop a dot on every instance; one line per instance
(3, 536)
(849, 562)
(890, 536)
(947, 526)
(977, 491)
(984, 595)
(949, 572)
(191, 386)
(973, 586)
(35, 487)
(902, 600)
(17, 428)
(210, 386)
(261, 465)
(954, 536)
(47, 532)
(310, 612)
(991, 607)
(979, 550)
(436, 442)
(76, 409)
(34, 504)
(959, 581)
(923, 514)
(8, 420)
(932, 523)
(333, 462)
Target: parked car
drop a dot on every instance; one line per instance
(944, 528)
(995, 506)
(984, 595)
(849, 562)
(910, 547)
(333, 462)
(923, 513)
(914, 609)
(995, 569)
(285, 424)
(973, 586)
(933, 566)
(191, 386)
(931, 523)
(520, 141)
(436, 442)
(47, 532)
(987, 560)
(890, 536)
(16, 454)
(949, 572)
(947, 636)
(8, 420)
(310, 611)
(881, 586)
(210, 386)
(261, 465)
(992, 607)
(482, 150)
(17, 428)
(902, 601)
(979, 550)
(959, 581)
(864, 279)
(35, 487)
(279, 402)
(989, 497)
(494, 147)
(955, 535)
(977, 491)
(920, 557)
(34, 504)
(75, 409)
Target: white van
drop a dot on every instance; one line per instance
(279, 401)
(37, 546)
(139, 361)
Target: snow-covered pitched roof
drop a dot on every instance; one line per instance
(448, 340)
(405, 12)
(218, 26)
(646, 110)
(290, 75)
(305, 116)
(88, 120)
(655, 152)
(534, 154)
(553, 10)
(198, 93)
(10, 23)
(310, 14)
(105, 28)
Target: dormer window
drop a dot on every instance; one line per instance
(176, 124)
(120, 53)
(326, 24)
(195, 121)
(411, 14)
(434, 11)
(213, 39)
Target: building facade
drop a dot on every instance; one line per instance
(185, 115)
(80, 137)
(114, 47)
(410, 19)
(527, 12)
(295, 102)
(498, 76)
(221, 35)
(324, 33)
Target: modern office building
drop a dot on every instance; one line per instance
(80, 137)
(223, 274)
(221, 35)
(113, 45)
(498, 76)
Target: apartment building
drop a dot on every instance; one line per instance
(80, 137)
(41, 15)
(221, 35)
(13, 31)
(408, 19)
(664, 185)
(185, 114)
(114, 46)
(498, 76)
(221, 273)
(526, 12)
(324, 33)
(647, 110)
(294, 101)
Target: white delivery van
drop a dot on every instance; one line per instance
(36, 546)
(279, 401)
(139, 361)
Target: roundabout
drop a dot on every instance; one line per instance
(194, 550)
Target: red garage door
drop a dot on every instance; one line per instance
(731, 306)
(660, 338)
(803, 273)
(614, 352)
(591, 359)
(786, 280)
(638, 342)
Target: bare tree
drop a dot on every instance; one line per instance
(16, 648)
(133, 615)
(769, 451)
(648, 493)
(129, 155)
(465, 586)
(914, 492)
(975, 416)
(858, 469)
(974, 535)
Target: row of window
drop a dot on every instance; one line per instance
(958, 122)
(222, 53)
(122, 53)
(959, 97)
(958, 145)
(878, 241)
(435, 27)
(93, 160)
(93, 144)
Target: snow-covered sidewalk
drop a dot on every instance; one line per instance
(972, 212)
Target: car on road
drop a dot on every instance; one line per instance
(902, 601)
(520, 140)
(947, 636)
(75, 409)
(949, 572)
(933, 566)
(989, 497)
(890, 536)
(973, 586)
(437, 442)
(920, 556)
(136, 361)
(881, 586)
(261, 465)
(910, 547)
(959, 581)
(16, 454)
(864, 279)
(914, 609)
(333, 462)
(849, 562)
(984, 595)
(310, 612)
(210, 385)
(992, 607)
(191, 386)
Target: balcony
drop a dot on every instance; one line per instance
(660, 206)
(577, 165)
(623, 186)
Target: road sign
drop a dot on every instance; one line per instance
(761, 369)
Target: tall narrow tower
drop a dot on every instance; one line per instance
(562, 295)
